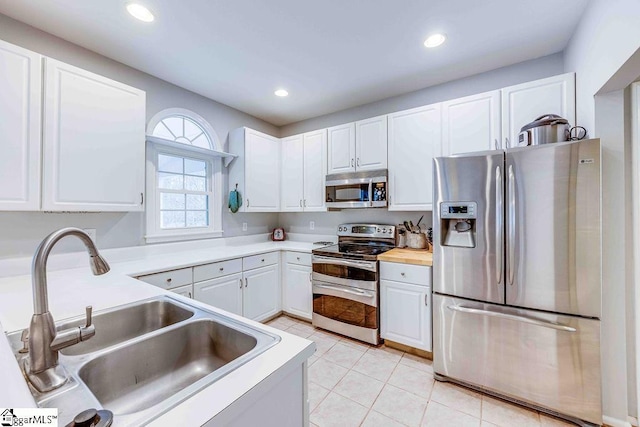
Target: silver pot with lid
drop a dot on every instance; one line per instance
(546, 129)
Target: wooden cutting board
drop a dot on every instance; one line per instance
(408, 256)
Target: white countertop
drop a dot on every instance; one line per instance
(70, 290)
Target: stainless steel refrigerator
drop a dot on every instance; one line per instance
(517, 275)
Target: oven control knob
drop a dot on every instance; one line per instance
(378, 230)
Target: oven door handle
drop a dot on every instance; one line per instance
(348, 291)
(365, 265)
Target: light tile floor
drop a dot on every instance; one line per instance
(355, 384)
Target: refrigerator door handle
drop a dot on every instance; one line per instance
(523, 319)
(499, 224)
(511, 221)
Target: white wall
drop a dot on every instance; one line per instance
(491, 80)
(327, 222)
(604, 53)
(607, 36)
(21, 232)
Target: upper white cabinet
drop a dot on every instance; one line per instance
(304, 166)
(414, 140)
(256, 171)
(342, 148)
(371, 144)
(93, 142)
(471, 124)
(292, 173)
(20, 128)
(315, 170)
(359, 146)
(523, 103)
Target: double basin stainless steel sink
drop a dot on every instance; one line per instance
(146, 357)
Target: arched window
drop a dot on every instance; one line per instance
(183, 179)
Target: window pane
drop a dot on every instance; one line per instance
(195, 183)
(203, 142)
(170, 164)
(197, 219)
(195, 167)
(170, 181)
(161, 131)
(197, 202)
(172, 219)
(172, 201)
(191, 130)
(175, 125)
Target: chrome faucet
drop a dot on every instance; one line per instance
(41, 367)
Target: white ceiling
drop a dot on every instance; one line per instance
(330, 55)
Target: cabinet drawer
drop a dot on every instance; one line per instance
(261, 260)
(299, 258)
(406, 273)
(217, 269)
(169, 279)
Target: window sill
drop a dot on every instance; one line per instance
(182, 236)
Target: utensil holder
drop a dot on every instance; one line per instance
(417, 240)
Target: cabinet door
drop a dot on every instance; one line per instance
(262, 172)
(315, 170)
(185, 291)
(522, 104)
(292, 174)
(471, 124)
(20, 131)
(261, 297)
(224, 293)
(406, 314)
(342, 149)
(94, 142)
(371, 144)
(297, 290)
(414, 140)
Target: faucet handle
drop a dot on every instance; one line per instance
(25, 341)
(89, 320)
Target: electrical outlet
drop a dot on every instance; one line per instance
(92, 233)
(244, 226)
(312, 225)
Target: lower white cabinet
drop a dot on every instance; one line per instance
(224, 292)
(405, 308)
(261, 293)
(298, 299)
(185, 291)
(254, 293)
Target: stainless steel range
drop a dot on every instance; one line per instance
(346, 283)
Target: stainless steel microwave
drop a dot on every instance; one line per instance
(357, 190)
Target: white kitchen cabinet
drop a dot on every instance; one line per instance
(315, 170)
(224, 292)
(292, 174)
(20, 128)
(405, 307)
(304, 166)
(341, 148)
(471, 124)
(523, 103)
(371, 144)
(185, 291)
(256, 171)
(261, 293)
(414, 140)
(93, 142)
(297, 293)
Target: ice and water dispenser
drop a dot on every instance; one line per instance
(458, 224)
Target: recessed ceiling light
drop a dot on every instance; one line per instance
(281, 93)
(140, 12)
(435, 40)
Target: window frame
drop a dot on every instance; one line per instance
(156, 234)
